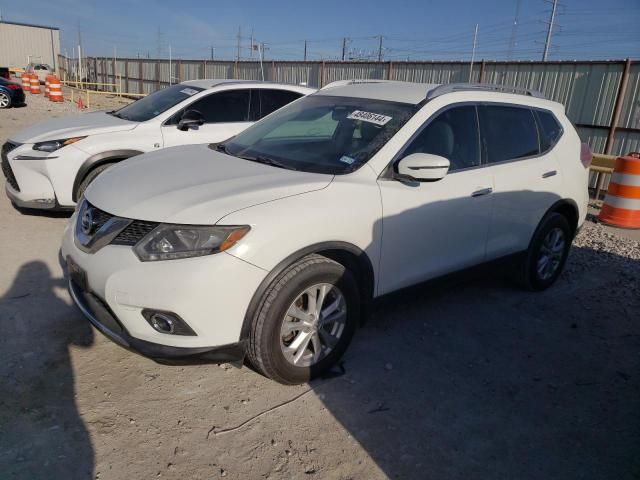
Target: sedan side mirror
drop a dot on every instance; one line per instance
(422, 167)
(190, 119)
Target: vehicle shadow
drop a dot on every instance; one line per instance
(47, 439)
(474, 378)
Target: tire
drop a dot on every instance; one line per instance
(532, 273)
(272, 352)
(5, 100)
(90, 177)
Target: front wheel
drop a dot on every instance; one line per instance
(547, 253)
(305, 322)
(91, 176)
(5, 100)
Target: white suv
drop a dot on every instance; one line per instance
(50, 164)
(274, 244)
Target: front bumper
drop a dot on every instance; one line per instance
(102, 319)
(40, 180)
(210, 293)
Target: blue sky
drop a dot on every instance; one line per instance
(412, 29)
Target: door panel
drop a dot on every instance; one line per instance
(433, 228)
(526, 184)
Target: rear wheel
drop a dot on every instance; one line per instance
(5, 100)
(305, 322)
(547, 254)
(90, 177)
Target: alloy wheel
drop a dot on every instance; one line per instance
(550, 254)
(313, 325)
(4, 100)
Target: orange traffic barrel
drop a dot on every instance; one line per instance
(46, 86)
(34, 84)
(621, 206)
(26, 81)
(55, 89)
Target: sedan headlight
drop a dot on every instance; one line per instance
(168, 242)
(53, 145)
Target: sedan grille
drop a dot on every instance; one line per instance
(6, 168)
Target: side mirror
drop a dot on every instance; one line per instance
(422, 167)
(190, 119)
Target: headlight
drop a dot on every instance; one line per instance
(168, 242)
(53, 145)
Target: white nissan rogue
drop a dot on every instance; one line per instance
(49, 165)
(273, 244)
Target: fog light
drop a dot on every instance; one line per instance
(167, 322)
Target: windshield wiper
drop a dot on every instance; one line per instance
(115, 114)
(221, 147)
(269, 161)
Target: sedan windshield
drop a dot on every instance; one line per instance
(154, 104)
(322, 134)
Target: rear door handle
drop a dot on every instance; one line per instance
(482, 191)
(550, 173)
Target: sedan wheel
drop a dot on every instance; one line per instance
(5, 101)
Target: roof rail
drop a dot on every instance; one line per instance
(356, 81)
(487, 87)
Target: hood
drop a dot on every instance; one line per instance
(194, 185)
(80, 125)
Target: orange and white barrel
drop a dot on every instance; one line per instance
(55, 89)
(26, 81)
(622, 204)
(35, 84)
(46, 86)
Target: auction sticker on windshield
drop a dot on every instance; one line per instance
(369, 117)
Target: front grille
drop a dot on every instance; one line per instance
(135, 232)
(99, 218)
(6, 168)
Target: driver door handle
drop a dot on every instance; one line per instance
(482, 191)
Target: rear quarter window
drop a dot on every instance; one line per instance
(549, 128)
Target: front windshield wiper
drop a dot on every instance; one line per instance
(221, 147)
(269, 161)
(115, 114)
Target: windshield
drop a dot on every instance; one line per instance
(322, 134)
(154, 104)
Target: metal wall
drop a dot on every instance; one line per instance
(589, 90)
(20, 43)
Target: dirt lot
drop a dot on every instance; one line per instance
(471, 379)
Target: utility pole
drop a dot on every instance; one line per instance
(344, 48)
(552, 20)
(514, 31)
(473, 52)
(251, 46)
(380, 48)
(170, 69)
(238, 45)
(212, 52)
(305, 50)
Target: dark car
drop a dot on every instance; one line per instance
(4, 73)
(11, 94)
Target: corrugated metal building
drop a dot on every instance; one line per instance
(21, 43)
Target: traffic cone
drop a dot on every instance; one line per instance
(79, 103)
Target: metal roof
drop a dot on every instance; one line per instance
(28, 25)
(393, 91)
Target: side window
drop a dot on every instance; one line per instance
(453, 134)
(272, 100)
(224, 107)
(508, 133)
(549, 128)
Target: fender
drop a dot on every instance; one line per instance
(96, 160)
(331, 249)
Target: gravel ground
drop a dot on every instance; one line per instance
(466, 379)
